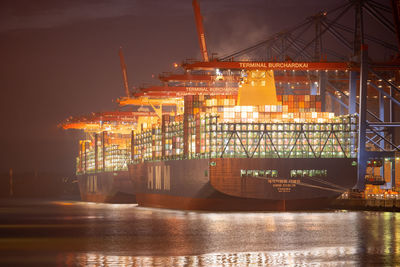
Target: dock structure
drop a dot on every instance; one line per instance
(364, 83)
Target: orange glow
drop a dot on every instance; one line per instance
(62, 203)
(146, 101)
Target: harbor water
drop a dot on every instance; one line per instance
(70, 233)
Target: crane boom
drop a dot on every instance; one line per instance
(200, 30)
(396, 19)
(124, 73)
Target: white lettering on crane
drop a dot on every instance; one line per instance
(273, 65)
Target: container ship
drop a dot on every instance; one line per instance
(104, 152)
(253, 150)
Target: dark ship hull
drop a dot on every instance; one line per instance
(106, 187)
(242, 183)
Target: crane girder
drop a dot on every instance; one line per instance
(263, 65)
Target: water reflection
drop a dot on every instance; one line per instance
(82, 234)
(342, 256)
(380, 237)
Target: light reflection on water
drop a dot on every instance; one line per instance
(87, 234)
(318, 256)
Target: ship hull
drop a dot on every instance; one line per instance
(221, 203)
(106, 187)
(219, 184)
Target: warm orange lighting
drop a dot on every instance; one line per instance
(62, 203)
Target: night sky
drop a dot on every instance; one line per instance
(60, 58)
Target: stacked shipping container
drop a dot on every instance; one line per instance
(250, 132)
(104, 152)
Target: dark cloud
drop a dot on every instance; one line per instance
(47, 14)
(21, 14)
